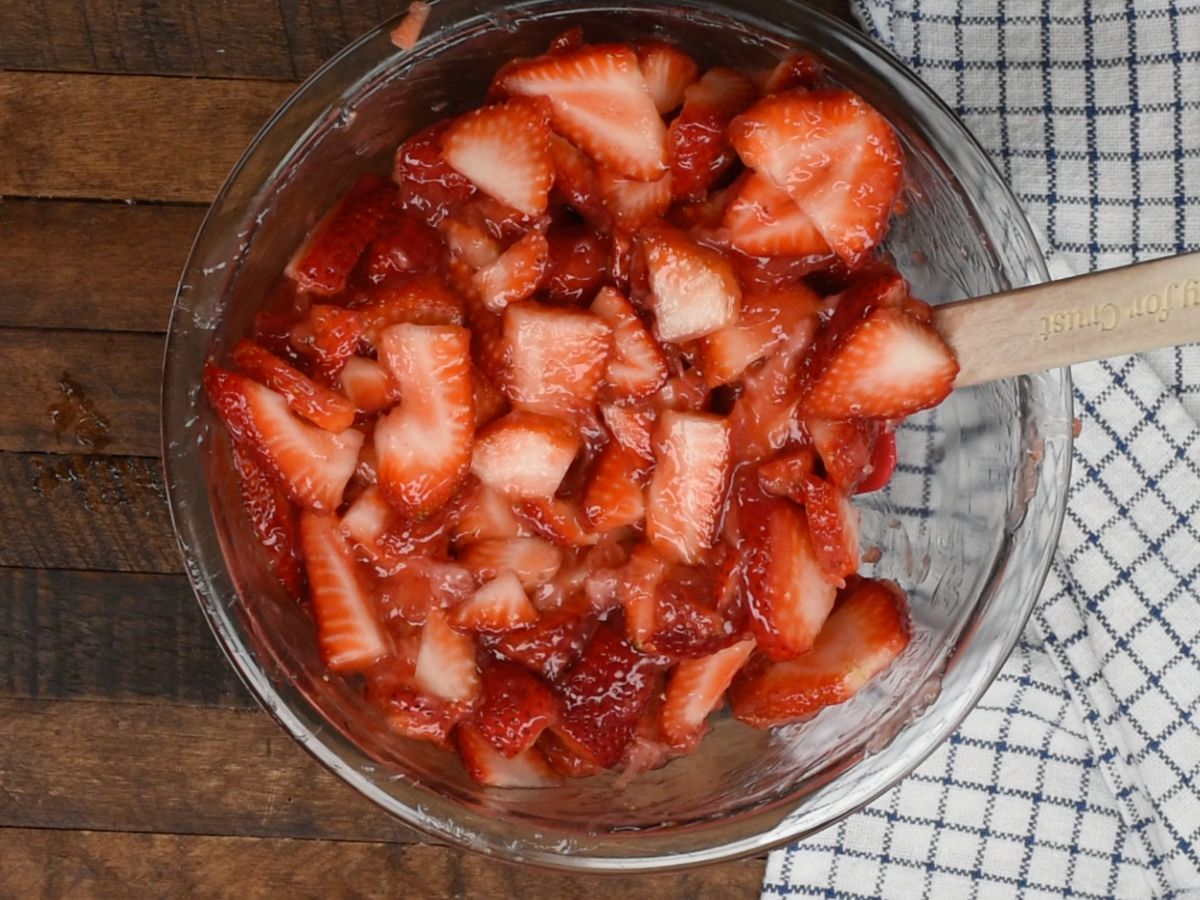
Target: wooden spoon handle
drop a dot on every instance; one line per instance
(1126, 310)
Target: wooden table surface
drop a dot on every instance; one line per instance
(130, 754)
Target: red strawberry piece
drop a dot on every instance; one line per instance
(683, 393)
(693, 289)
(845, 447)
(632, 425)
(764, 221)
(424, 444)
(862, 637)
(500, 221)
(883, 464)
(532, 559)
(765, 324)
(273, 330)
(446, 662)
(698, 147)
(890, 366)
(569, 40)
(490, 402)
(470, 243)
(563, 760)
(305, 397)
(668, 72)
(330, 335)
(272, 519)
(704, 215)
(795, 70)
(348, 629)
(599, 101)
(835, 155)
(516, 708)
(373, 526)
(615, 495)
(500, 605)
(833, 526)
(416, 299)
(863, 295)
(604, 694)
(414, 715)
(697, 687)
(577, 264)
(787, 593)
(408, 30)
(486, 514)
(577, 182)
(504, 150)
(636, 365)
(489, 766)
(325, 260)
(552, 645)
(515, 274)
(404, 244)
(366, 469)
(557, 357)
(310, 464)
(774, 273)
(429, 186)
(628, 270)
(687, 489)
(367, 385)
(560, 521)
(524, 454)
(785, 475)
(633, 203)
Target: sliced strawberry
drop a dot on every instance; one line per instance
(486, 514)
(310, 464)
(373, 526)
(890, 366)
(883, 464)
(631, 425)
(862, 637)
(325, 260)
(552, 645)
(764, 221)
(470, 243)
(367, 385)
(490, 402)
(424, 444)
(633, 203)
(687, 489)
(532, 559)
(516, 708)
(446, 662)
(693, 289)
(622, 261)
(775, 273)
(704, 215)
(845, 448)
(272, 518)
(796, 70)
(577, 264)
(833, 525)
(500, 605)
(524, 454)
(786, 474)
(604, 694)
(557, 357)
(504, 150)
(305, 397)
(429, 186)
(416, 299)
(698, 147)
(414, 715)
(577, 182)
(404, 244)
(695, 689)
(636, 366)
(348, 629)
(489, 766)
(419, 584)
(835, 155)
(788, 596)
(408, 30)
(560, 521)
(668, 72)
(563, 760)
(599, 101)
(765, 324)
(515, 275)
(329, 335)
(615, 495)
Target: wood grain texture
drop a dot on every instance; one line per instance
(91, 265)
(109, 137)
(81, 863)
(85, 512)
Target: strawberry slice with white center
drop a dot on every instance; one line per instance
(532, 559)
(862, 637)
(833, 525)
(846, 449)
(633, 203)
(632, 425)
(615, 494)
(557, 357)
(500, 605)
(417, 299)
(765, 324)
(424, 444)
(637, 366)
(373, 527)
(486, 514)
(515, 275)
(516, 708)
(697, 142)
(890, 366)
(446, 662)
(600, 102)
(504, 150)
(695, 689)
(764, 221)
(556, 520)
(313, 401)
(787, 592)
(668, 72)
(348, 629)
(311, 465)
(834, 154)
(687, 489)
(272, 518)
(367, 385)
(693, 288)
(524, 454)
(489, 766)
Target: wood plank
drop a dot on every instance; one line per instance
(174, 769)
(87, 864)
(126, 137)
(85, 512)
(91, 265)
(70, 635)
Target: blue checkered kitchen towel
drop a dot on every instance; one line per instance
(1079, 772)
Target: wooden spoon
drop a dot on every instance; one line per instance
(1125, 310)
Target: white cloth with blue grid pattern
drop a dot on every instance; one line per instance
(1079, 772)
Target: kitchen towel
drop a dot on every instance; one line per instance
(1079, 772)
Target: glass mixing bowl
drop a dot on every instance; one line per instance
(967, 526)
